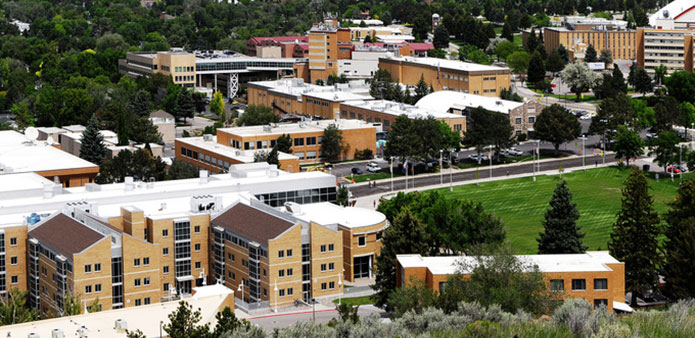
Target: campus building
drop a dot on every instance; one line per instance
(306, 143)
(328, 43)
(621, 43)
(443, 74)
(220, 71)
(595, 275)
(522, 115)
(70, 139)
(289, 46)
(669, 39)
(386, 112)
(18, 154)
(360, 33)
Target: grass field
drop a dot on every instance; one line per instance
(521, 203)
(364, 300)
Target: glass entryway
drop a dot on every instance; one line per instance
(362, 267)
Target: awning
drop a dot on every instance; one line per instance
(184, 278)
(622, 307)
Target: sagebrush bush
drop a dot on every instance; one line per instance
(574, 313)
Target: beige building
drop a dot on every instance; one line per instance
(672, 48)
(180, 65)
(621, 43)
(386, 112)
(451, 75)
(166, 125)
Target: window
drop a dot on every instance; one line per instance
(146, 280)
(165, 233)
(147, 300)
(97, 267)
(137, 282)
(323, 248)
(146, 261)
(323, 286)
(197, 247)
(579, 284)
(88, 289)
(599, 302)
(557, 284)
(136, 262)
(165, 269)
(166, 287)
(331, 266)
(290, 291)
(281, 253)
(282, 292)
(233, 276)
(517, 120)
(323, 267)
(281, 273)
(165, 251)
(298, 142)
(600, 284)
(331, 285)
(265, 292)
(531, 119)
(288, 252)
(138, 302)
(15, 280)
(13, 260)
(88, 268)
(197, 265)
(289, 272)
(362, 241)
(196, 229)
(310, 141)
(97, 287)
(331, 247)
(13, 241)
(233, 258)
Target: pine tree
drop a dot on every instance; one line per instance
(590, 55)
(562, 234)
(564, 54)
(507, 32)
(185, 106)
(421, 89)
(141, 105)
(536, 68)
(634, 237)
(92, 148)
(405, 236)
(679, 269)
(531, 41)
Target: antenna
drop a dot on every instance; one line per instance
(31, 134)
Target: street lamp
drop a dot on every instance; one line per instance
(340, 291)
(583, 138)
(489, 155)
(441, 167)
(536, 152)
(276, 295)
(692, 129)
(161, 323)
(391, 169)
(451, 173)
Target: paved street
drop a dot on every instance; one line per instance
(271, 321)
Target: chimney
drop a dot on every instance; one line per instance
(203, 176)
(129, 185)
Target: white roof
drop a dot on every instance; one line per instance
(145, 318)
(395, 37)
(368, 22)
(622, 307)
(338, 96)
(297, 87)
(294, 128)
(670, 11)
(326, 213)
(244, 156)
(446, 265)
(397, 109)
(444, 100)
(450, 64)
(17, 155)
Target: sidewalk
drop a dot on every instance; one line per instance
(367, 202)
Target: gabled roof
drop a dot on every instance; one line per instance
(162, 114)
(252, 223)
(65, 235)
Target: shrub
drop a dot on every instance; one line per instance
(482, 328)
(522, 137)
(574, 312)
(364, 154)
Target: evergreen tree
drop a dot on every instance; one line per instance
(507, 32)
(536, 68)
(634, 239)
(92, 148)
(643, 82)
(441, 37)
(562, 234)
(405, 236)
(183, 323)
(367, 39)
(590, 55)
(421, 89)
(284, 144)
(141, 105)
(531, 41)
(185, 106)
(14, 308)
(618, 80)
(564, 54)
(679, 269)
(554, 64)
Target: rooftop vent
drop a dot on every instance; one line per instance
(129, 184)
(293, 208)
(121, 325)
(57, 333)
(207, 137)
(203, 176)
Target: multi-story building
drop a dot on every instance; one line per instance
(359, 33)
(306, 142)
(287, 44)
(443, 74)
(522, 115)
(386, 112)
(24, 155)
(328, 43)
(595, 276)
(669, 39)
(621, 43)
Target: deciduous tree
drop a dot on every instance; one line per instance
(557, 125)
(579, 77)
(332, 145)
(183, 323)
(217, 106)
(257, 115)
(628, 144)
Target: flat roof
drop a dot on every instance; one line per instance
(443, 100)
(337, 96)
(326, 213)
(297, 88)
(397, 109)
(244, 156)
(448, 64)
(145, 318)
(294, 128)
(594, 261)
(18, 154)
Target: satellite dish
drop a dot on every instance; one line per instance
(31, 133)
(665, 12)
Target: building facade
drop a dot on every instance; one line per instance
(621, 43)
(595, 275)
(672, 48)
(287, 44)
(452, 75)
(386, 112)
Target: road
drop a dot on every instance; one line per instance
(272, 321)
(524, 92)
(484, 172)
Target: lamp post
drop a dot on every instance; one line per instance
(536, 152)
(340, 290)
(603, 154)
(583, 138)
(313, 309)
(391, 169)
(161, 323)
(276, 295)
(692, 129)
(441, 167)
(451, 174)
(489, 155)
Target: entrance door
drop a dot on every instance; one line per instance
(362, 267)
(183, 288)
(306, 292)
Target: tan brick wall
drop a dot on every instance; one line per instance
(290, 240)
(622, 44)
(99, 253)
(351, 246)
(133, 223)
(323, 236)
(386, 120)
(19, 250)
(136, 248)
(525, 112)
(47, 286)
(157, 227)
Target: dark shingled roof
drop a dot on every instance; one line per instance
(65, 235)
(252, 223)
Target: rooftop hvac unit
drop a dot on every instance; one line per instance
(82, 332)
(92, 187)
(121, 325)
(57, 333)
(207, 137)
(33, 335)
(268, 129)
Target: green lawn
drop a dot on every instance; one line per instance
(521, 203)
(364, 300)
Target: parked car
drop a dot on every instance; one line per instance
(512, 152)
(673, 169)
(474, 157)
(356, 171)
(372, 167)
(585, 117)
